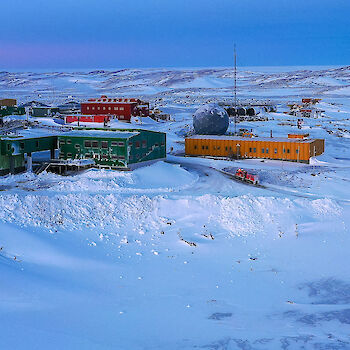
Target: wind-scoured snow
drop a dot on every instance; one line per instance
(177, 254)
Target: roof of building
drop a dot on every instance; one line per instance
(238, 138)
(105, 99)
(30, 133)
(100, 134)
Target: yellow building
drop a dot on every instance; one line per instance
(290, 149)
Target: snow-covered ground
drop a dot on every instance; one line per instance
(176, 255)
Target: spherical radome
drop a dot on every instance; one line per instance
(210, 119)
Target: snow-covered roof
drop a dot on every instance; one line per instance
(101, 133)
(238, 138)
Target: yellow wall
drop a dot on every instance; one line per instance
(245, 148)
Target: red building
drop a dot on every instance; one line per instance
(122, 108)
(87, 118)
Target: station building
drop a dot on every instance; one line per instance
(14, 148)
(122, 108)
(292, 148)
(113, 148)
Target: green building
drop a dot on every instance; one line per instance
(11, 110)
(13, 149)
(44, 111)
(113, 148)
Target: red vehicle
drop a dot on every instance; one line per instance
(243, 175)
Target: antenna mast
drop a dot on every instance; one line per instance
(235, 86)
(235, 76)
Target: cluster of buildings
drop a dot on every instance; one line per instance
(97, 110)
(129, 148)
(306, 109)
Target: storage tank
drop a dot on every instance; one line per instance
(241, 111)
(251, 111)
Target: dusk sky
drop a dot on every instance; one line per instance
(49, 34)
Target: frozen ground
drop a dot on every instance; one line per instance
(177, 255)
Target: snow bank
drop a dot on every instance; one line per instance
(237, 216)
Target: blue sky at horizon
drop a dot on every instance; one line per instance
(183, 33)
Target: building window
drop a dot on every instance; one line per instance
(109, 108)
(267, 150)
(254, 150)
(296, 151)
(37, 143)
(104, 144)
(195, 146)
(115, 108)
(218, 147)
(275, 150)
(250, 149)
(87, 144)
(98, 108)
(130, 143)
(121, 157)
(284, 151)
(226, 148)
(121, 144)
(69, 155)
(114, 156)
(93, 108)
(95, 144)
(114, 143)
(21, 145)
(137, 144)
(144, 144)
(61, 142)
(104, 156)
(121, 108)
(104, 108)
(87, 107)
(288, 150)
(68, 142)
(262, 150)
(156, 145)
(206, 147)
(162, 144)
(77, 146)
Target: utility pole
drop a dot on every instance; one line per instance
(235, 86)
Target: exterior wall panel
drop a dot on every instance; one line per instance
(294, 150)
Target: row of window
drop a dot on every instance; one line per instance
(104, 144)
(251, 149)
(105, 108)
